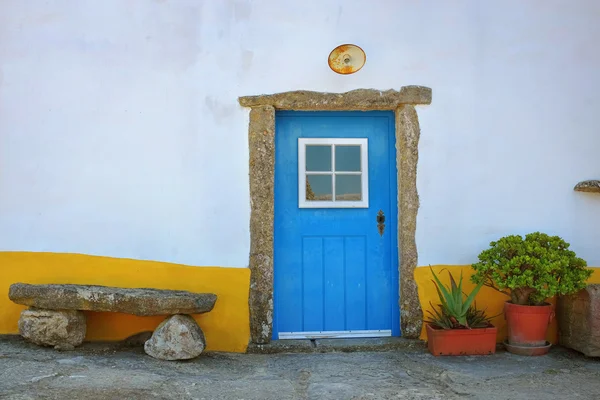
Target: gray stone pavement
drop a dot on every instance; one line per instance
(109, 371)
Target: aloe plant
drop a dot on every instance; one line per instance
(475, 319)
(456, 308)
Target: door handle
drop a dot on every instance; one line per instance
(380, 222)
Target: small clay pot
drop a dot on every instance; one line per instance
(528, 325)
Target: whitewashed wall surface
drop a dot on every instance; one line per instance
(121, 135)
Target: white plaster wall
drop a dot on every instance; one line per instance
(120, 132)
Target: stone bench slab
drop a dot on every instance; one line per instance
(139, 301)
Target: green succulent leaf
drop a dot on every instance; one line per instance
(531, 269)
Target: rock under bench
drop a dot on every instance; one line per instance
(55, 316)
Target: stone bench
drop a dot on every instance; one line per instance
(579, 320)
(56, 318)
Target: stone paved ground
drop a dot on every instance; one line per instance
(101, 371)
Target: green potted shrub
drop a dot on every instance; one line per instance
(530, 270)
(456, 326)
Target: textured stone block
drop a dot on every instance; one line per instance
(63, 330)
(359, 99)
(579, 321)
(262, 188)
(177, 338)
(408, 133)
(112, 299)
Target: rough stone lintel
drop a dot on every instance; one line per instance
(262, 182)
(359, 99)
(591, 186)
(407, 157)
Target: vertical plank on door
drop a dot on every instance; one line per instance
(379, 301)
(312, 278)
(289, 281)
(333, 248)
(356, 304)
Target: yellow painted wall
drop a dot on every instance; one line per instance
(487, 298)
(226, 327)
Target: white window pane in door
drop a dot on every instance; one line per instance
(319, 188)
(324, 161)
(348, 187)
(318, 158)
(347, 158)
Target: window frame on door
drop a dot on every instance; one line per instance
(363, 143)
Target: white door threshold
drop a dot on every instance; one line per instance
(336, 334)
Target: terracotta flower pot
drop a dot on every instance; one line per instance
(463, 342)
(527, 325)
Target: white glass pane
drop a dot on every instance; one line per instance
(319, 188)
(322, 161)
(348, 188)
(318, 158)
(347, 158)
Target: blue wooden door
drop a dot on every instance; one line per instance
(335, 239)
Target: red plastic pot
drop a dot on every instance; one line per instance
(527, 325)
(461, 342)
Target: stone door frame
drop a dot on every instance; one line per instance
(261, 139)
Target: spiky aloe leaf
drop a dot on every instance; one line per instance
(439, 318)
(453, 289)
(459, 288)
(446, 297)
(440, 295)
(471, 297)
